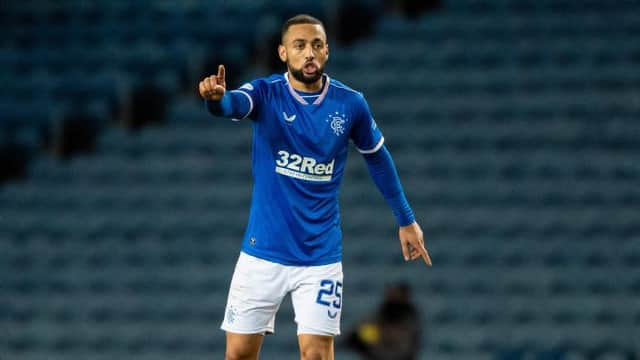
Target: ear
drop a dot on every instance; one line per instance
(282, 53)
(327, 51)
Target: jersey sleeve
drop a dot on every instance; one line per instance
(254, 92)
(365, 134)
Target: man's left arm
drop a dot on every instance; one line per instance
(385, 176)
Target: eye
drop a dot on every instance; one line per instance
(298, 46)
(318, 45)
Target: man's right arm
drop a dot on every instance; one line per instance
(233, 104)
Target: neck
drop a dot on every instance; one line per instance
(300, 86)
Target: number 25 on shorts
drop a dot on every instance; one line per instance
(328, 288)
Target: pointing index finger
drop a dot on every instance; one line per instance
(220, 75)
(424, 254)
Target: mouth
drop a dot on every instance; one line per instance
(310, 68)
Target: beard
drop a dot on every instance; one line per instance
(299, 75)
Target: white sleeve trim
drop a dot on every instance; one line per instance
(371, 151)
(250, 103)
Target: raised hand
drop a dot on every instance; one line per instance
(412, 242)
(214, 86)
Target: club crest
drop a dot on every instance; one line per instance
(337, 121)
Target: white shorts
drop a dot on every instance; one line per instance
(258, 287)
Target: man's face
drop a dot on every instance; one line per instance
(305, 50)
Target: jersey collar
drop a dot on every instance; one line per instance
(300, 99)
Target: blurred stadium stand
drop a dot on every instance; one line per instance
(514, 125)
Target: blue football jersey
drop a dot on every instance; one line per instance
(299, 153)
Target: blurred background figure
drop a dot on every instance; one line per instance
(393, 331)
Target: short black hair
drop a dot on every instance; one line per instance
(299, 19)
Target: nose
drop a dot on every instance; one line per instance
(308, 52)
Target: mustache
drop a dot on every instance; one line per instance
(298, 74)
